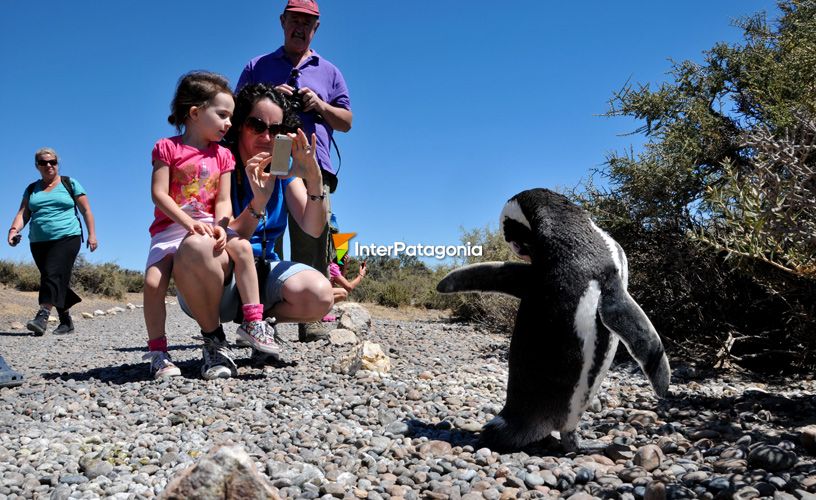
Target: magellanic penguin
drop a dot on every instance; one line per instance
(574, 308)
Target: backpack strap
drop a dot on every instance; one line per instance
(29, 190)
(69, 186)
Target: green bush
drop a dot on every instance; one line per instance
(21, 276)
(717, 213)
(27, 279)
(395, 282)
(106, 279)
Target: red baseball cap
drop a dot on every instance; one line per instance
(305, 6)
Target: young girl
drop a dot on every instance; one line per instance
(191, 194)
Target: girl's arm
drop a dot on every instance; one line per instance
(85, 208)
(19, 222)
(223, 210)
(350, 285)
(160, 190)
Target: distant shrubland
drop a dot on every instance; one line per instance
(107, 279)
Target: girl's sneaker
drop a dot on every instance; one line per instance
(257, 334)
(161, 365)
(217, 359)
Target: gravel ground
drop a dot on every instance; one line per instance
(89, 422)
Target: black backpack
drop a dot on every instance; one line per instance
(66, 181)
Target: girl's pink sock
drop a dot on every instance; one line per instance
(252, 312)
(159, 344)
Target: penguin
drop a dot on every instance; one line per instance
(574, 309)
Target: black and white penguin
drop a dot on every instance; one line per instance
(574, 308)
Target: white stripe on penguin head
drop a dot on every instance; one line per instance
(512, 210)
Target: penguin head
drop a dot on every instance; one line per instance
(516, 230)
(533, 222)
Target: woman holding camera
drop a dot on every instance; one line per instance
(55, 233)
(261, 202)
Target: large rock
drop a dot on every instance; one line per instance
(341, 336)
(225, 473)
(374, 358)
(354, 317)
(368, 356)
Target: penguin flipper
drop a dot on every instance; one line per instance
(622, 315)
(511, 278)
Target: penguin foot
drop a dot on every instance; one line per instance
(569, 440)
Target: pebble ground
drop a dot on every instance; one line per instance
(89, 422)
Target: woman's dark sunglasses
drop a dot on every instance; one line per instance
(259, 127)
(50, 163)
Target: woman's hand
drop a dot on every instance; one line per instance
(262, 183)
(304, 159)
(220, 238)
(92, 243)
(14, 237)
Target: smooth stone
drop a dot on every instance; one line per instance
(397, 427)
(533, 479)
(808, 438)
(732, 466)
(771, 458)
(656, 490)
(650, 457)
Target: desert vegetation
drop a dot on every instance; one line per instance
(109, 279)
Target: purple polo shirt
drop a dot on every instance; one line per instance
(316, 73)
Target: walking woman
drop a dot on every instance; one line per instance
(55, 234)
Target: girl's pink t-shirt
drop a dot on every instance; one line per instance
(194, 176)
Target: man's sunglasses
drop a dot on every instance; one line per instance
(49, 163)
(259, 126)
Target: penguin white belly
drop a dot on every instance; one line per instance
(586, 329)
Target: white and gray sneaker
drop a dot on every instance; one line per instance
(217, 360)
(161, 365)
(262, 358)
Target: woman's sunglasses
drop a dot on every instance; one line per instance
(259, 126)
(49, 163)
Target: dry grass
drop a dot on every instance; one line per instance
(21, 306)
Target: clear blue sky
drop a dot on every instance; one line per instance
(457, 105)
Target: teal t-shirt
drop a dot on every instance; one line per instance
(52, 213)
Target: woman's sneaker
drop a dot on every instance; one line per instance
(258, 335)
(39, 323)
(217, 360)
(161, 365)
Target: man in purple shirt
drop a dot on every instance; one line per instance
(297, 70)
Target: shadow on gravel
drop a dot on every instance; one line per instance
(275, 363)
(16, 334)
(121, 374)
(441, 431)
(172, 348)
(751, 407)
(139, 372)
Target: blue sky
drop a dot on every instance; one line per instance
(457, 105)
